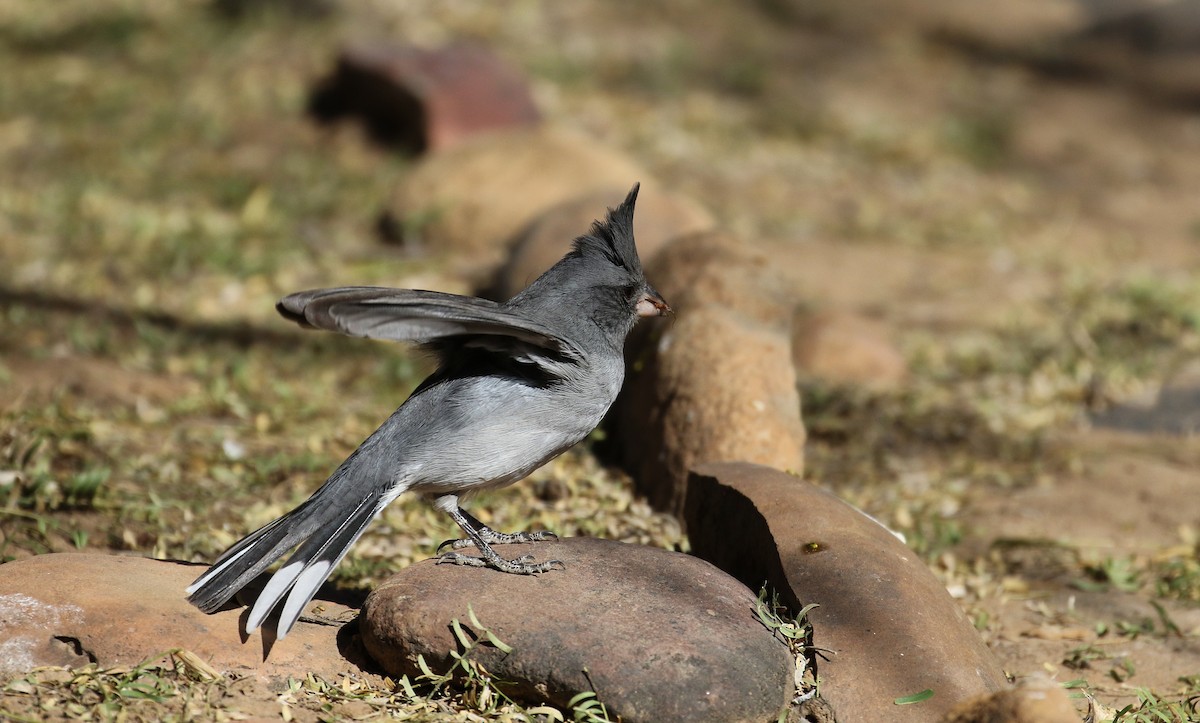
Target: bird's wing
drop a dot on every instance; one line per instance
(424, 316)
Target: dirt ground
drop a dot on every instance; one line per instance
(1032, 243)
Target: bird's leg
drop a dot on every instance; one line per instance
(492, 537)
(523, 565)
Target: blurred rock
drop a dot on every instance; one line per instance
(890, 628)
(658, 635)
(75, 608)
(304, 9)
(661, 217)
(425, 98)
(719, 269)
(1008, 25)
(476, 197)
(1147, 26)
(1151, 45)
(1036, 700)
(1009, 21)
(846, 348)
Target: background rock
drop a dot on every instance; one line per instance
(846, 348)
(425, 98)
(476, 197)
(661, 216)
(719, 269)
(658, 635)
(890, 628)
(73, 608)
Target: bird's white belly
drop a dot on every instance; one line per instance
(494, 459)
(505, 444)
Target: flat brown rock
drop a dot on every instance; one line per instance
(658, 635)
(889, 627)
(75, 608)
(719, 269)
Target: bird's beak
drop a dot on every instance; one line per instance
(652, 304)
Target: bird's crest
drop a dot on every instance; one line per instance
(612, 238)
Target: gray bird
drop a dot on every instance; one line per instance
(516, 385)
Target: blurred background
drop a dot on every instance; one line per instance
(1002, 195)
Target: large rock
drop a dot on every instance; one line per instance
(889, 627)
(719, 269)
(658, 635)
(425, 98)
(477, 196)
(715, 387)
(72, 609)
(1152, 46)
(718, 384)
(661, 216)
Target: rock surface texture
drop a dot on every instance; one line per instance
(715, 387)
(717, 384)
(890, 628)
(71, 609)
(658, 635)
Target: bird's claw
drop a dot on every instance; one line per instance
(523, 565)
(492, 537)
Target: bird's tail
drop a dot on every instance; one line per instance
(323, 528)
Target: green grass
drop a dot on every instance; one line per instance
(1152, 708)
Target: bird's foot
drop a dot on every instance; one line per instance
(483, 537)
(492, 537)
(523, 565)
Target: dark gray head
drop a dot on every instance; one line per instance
(600, 279)
(612, 238)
